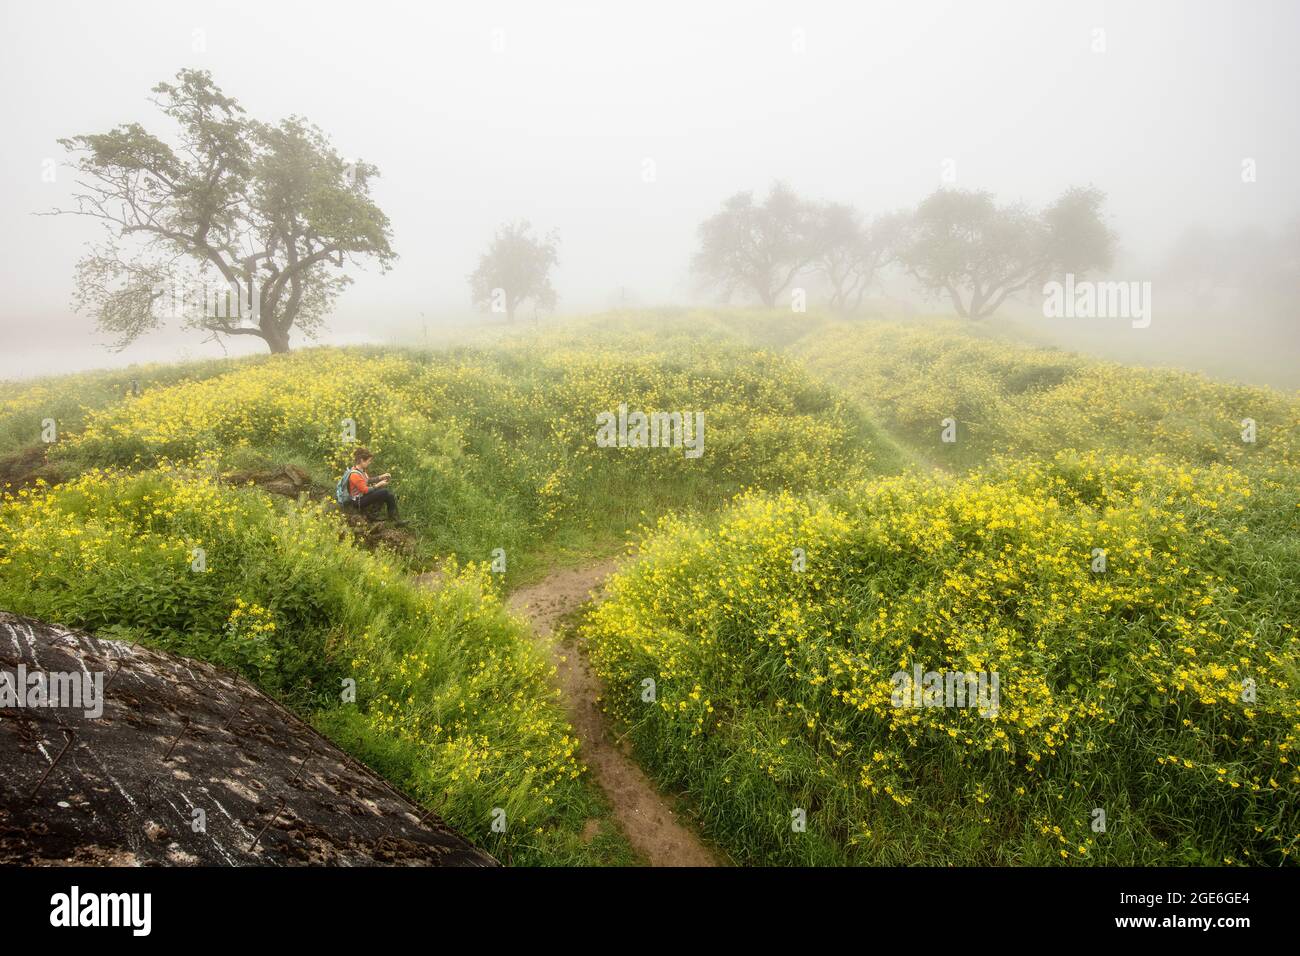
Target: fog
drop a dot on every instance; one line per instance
(481, 113)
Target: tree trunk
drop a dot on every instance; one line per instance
(955, 297)
(276, 341)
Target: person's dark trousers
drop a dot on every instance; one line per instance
(377, 495)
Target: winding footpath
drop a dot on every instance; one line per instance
(647, 819)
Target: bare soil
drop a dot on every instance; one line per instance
(646, 816)
(23, 468)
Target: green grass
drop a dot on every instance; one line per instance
(452, 704)
(66, 399)
(830, 423)
(492, 447)
(1015, 400)
(1121, 691)
(495, 447)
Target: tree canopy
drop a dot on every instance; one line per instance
(516, 268)
(267, 215)
(962, 243)
(757, 247)
(850, 252)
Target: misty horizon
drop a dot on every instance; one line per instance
(622, 131)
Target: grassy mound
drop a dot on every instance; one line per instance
(497, 448)
(1159, 690)
(1012, 399)
(67, 399)
(452, 704)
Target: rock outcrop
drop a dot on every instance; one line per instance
(186, 765)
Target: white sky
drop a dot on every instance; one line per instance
(556, 126)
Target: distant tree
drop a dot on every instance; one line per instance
(1286, 281)
(1204, 266)
(1252, 269)
(754, 247)
(963, 244)
(267, 213)
(516, 268)
(851, 253)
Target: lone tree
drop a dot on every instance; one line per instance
(268, 214)
(515, 268)
(850, 252)
(755, 247)
(963, 244)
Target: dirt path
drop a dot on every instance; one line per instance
(645, 816)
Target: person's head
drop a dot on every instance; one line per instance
(361, 458)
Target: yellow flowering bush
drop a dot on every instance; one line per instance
(1120, 557)
(497, 448)
(1019, 400)
(1157, 686)
(68, 399)
(448, 697)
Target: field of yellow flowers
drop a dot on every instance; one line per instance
(1157, 695)
(447, 697)
(493, 448)
(489, 448)
(67, 399)
(1012, 399)
(1104, 540)
(1100, 538)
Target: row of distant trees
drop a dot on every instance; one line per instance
(957, 243)
(1248, 270)
(275, 213)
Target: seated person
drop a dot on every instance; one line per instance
(364, 492)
